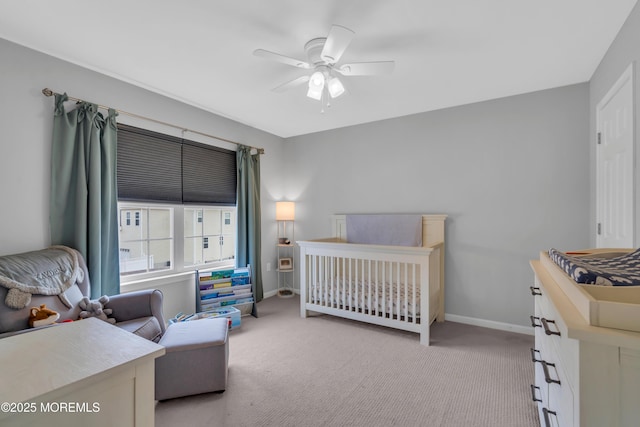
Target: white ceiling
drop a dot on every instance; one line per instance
(447, 53)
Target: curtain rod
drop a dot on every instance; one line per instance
(48, 92)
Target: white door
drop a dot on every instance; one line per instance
(614, 165)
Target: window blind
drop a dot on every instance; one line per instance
(154, 167)
(208, 174)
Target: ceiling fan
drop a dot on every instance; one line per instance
(323, 55)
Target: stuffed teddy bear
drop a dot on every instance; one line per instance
(41, 316)
(95, 308)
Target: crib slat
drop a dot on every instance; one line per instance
(413, 298)
(397, 312)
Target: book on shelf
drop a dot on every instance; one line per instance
(212, 295)
(241, 272)
(240, 280)
(237, 288)
(209, 304)
(216, 275)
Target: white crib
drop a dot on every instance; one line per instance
(395, 286)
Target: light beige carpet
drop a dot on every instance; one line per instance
(323, 371)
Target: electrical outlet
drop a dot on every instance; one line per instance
(268, 266)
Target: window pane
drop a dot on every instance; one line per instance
(213, 239)
(192, 222)
(212, 253)
(133, 258)
(193, 251)
(228, 248)
(160, 254)
(159, 223)
(145, 239)
(212, 222)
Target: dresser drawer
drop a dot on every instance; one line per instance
(551, 331)
(560, 394)
(552, 390)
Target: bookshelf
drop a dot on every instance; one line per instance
(285, 216)
(225, 288)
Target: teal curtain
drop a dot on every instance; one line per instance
(83, 205)
(248, 247)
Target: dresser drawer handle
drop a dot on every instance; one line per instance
(533, 322)
(533, 393)
(533, 357)
(547, 377)
(545, 325)
(547, 420)
(535, 290)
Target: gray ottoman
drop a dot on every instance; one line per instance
(197, 354)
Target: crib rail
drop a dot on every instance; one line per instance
(384, 285)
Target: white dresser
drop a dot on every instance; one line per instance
(584, 375)
(85, 373)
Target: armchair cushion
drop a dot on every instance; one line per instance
(132, 311)
(145, 327)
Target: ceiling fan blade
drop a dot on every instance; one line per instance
(290, 84)
(366, 68)
(337, 42)
(281, 58)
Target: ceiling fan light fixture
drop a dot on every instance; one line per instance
(314, 93)
(336, 88)
(317, 80)
(316, 85)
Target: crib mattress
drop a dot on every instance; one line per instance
(364, 296)
(621, 270)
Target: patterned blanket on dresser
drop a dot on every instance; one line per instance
(619, 271)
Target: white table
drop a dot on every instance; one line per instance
(81, 373)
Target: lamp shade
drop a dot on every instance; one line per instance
(285, 211)
(336, 87)
(316, 85)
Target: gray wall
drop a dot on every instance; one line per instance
(512, 174)
(26, 118)
(623, 51)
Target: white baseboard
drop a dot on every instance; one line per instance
(489, 324)
(274, 293)
(270, 294)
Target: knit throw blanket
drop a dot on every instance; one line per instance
(46, 272)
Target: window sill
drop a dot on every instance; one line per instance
(166, 279)
(151, 282)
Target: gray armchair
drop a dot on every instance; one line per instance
(138, 312)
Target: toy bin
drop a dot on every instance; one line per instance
(232, 313)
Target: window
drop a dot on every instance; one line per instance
(148, 247)
(160, 181)
(211, 240)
